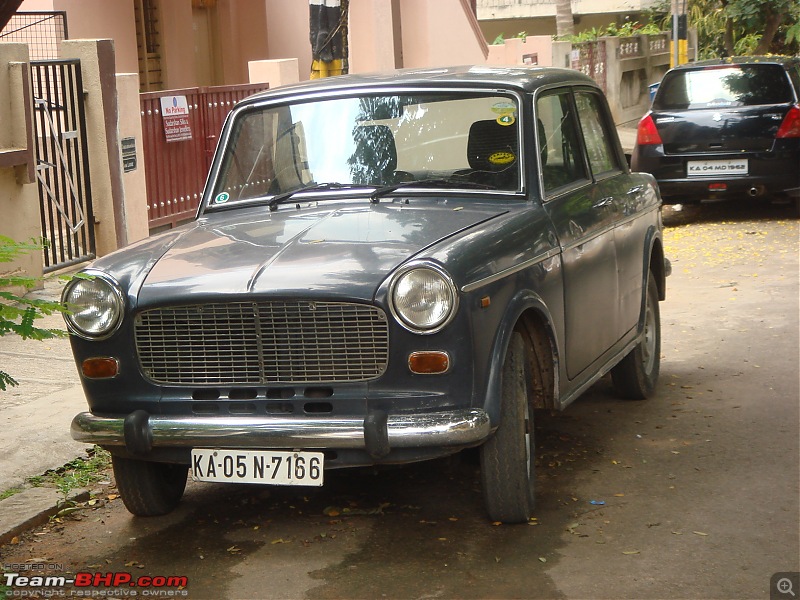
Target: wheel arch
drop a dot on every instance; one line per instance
(529, 315)
(657, 265)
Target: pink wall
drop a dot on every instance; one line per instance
(288, 32)
(441, 33)
(178, 57)
(92, 19)
(383, 34)
(243, 36)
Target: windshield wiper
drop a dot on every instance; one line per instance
(311, 187)
(434, 183)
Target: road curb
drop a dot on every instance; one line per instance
(32, 507)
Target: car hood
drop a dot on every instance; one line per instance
(332, 252)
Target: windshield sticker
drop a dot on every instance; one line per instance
(502, 158)
(222, 198)
(506, 120)
(504, 108)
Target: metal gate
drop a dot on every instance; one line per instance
(175, 172)
(62, 163)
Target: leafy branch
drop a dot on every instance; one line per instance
(18, 314)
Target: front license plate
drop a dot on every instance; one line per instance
(715, 168)
(272, 467)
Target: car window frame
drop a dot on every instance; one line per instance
(207, 207)
(575, 185)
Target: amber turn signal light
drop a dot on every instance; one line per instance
(100, 367)
(429, 363)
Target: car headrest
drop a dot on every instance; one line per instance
(492, 146)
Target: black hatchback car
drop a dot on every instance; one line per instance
(384, 269)
(724, 128)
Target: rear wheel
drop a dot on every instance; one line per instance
(636, 375)
(148, 488)
(507, 458)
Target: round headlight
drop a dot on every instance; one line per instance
(94, 306)
(423, 299)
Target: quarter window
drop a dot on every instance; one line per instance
(595, 134)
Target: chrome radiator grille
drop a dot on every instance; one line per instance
(249, 343)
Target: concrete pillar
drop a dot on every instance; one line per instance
(19, 195)
(276, 73)
(372, 30)
(134, 188)
(613, 78)
(561, 55)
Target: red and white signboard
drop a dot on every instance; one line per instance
(175, 115)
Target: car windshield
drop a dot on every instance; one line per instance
(371, 141)
(724, 86)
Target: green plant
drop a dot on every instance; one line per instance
(18, 314)
(628, 29)
(80, 472)
(77, 473)
(746, 45)
(744, 27)
(502, 37)
(9, 492)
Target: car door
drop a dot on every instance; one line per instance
(584, 221)
(615, 194)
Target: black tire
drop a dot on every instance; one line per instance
(635, 377)
(507, 458)
(148, 488)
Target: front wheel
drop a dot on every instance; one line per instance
(636, 375)
(149, 489)
(507, 458)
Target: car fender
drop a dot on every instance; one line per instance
(523, 302)
(654, 260)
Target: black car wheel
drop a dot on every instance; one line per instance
(636, 375)
(507, 458)
(149, 489)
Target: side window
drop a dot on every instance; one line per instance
(557, 134)
(602, 156)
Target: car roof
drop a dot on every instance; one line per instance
(519, 78)
(741, 60)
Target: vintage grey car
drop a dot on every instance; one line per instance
(383, 269)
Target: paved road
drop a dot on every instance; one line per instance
(35, 415)
(692, 494)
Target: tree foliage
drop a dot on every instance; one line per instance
(18, 314)
(739, 27)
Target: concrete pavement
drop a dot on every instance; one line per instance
(35, 417)
(627, 137)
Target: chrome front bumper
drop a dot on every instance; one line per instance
(378, 433)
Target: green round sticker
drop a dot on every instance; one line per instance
(506, 120)
(222, 198)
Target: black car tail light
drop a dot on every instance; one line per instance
(647, 134)
(790, 128)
